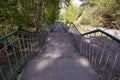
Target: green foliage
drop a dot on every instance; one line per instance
(28, 13)
(105, 13)
(70, 12)
(87, 20)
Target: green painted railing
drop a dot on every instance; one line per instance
(103, 32)
(8, 35)
(16, 48)
(15, 32)
(101, 48)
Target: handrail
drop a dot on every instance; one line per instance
(104, 57)
(19, 47)
(99, 30)
(107, 34)
(8, 35)
(76, 28)
(16, 31)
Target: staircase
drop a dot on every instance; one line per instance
(59, 61)
(60, 54)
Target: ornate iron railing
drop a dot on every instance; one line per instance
(101, 48)
(16, 48)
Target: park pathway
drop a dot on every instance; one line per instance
(60, 60)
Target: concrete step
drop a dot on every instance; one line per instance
(59, 61)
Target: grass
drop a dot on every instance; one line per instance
(83, 30)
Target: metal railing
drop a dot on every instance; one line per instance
(101, 48)
(16, 48)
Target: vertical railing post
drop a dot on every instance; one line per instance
(8, 59)
(23, 40)
(82, 46)
(116, 57)
(99, 52)
(30, 43)
(2, 75)
(93, 49)
(20, 46)
(96, 58)
(102, 54)
(86, 48)
(90, 50)
(14, 52)
(105, 67)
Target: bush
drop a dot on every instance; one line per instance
(87, 20)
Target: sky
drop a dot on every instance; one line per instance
(77, 2)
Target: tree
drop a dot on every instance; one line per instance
(70, 13)
(28, 13)
(105, 13)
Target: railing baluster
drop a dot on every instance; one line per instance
(81, 46)
(39, 39)
(97, 60)
(8, 59)
(98, 51)
(105, 66)
(24, 48)
(88, 46)
(85, 47)
(101, 57)
(92, 54)
(32, 42)
(31, 45)
(27, 41)
(17, 45)
(94, 47)
(2, 75)
(116, 57)
(20, 46)
(14, 52)
(90, 50)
